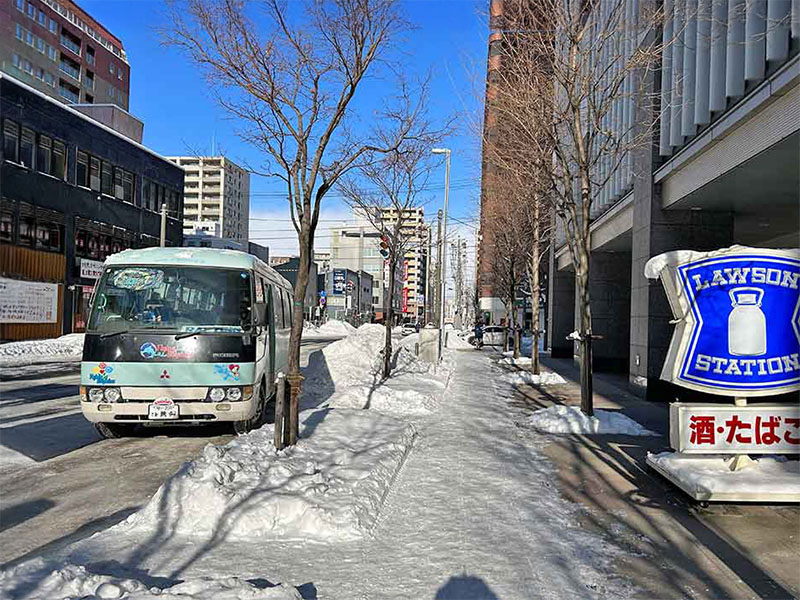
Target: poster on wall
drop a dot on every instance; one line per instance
(737, 316)
(28, 301)
(339, 281)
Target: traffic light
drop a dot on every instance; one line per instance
(384, 246)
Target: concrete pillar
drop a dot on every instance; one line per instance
(719, 53)
(689, 65)
(778, 30)
(561, 310)
(610, 281)
(756, 46)
(734, 62)
(664, 147)
(679, 32)
(702, 115)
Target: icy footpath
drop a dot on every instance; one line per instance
(65, 348)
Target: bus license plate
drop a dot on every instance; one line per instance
(162, 410)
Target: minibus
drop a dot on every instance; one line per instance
(184, 336)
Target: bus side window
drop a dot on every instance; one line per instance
(289, 310)
(276, 300)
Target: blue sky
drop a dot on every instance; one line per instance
(169, 95)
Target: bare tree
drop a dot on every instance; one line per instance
(569, 77)
(397, 179)
(289, 73)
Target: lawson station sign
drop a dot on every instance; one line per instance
(737, 316)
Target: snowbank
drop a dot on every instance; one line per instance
(456, 341)
(349, 375)
(508, 359)
(570, 419)
(65, 348)
(528, 378)
(331, 328)
(329, 486)
(706, 476)
(38, 580)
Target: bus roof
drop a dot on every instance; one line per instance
(198, 257)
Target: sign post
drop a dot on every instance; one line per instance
(737, 335)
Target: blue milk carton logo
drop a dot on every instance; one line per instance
(746, 334)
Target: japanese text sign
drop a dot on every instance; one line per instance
(720, 429)
(737, 312)
(339, 281)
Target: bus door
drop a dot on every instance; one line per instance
(266, 336)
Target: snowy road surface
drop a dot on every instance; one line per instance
(473, 513)
(60, 481)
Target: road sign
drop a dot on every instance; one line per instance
(738, 319)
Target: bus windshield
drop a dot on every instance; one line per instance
(172, 298)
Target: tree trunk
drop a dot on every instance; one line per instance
(534, 279)
(582, 288)
(304, 263)
(389, 316)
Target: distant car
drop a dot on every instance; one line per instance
(409, 328)
(493, 335)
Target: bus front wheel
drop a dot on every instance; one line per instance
(258, 419)
(112, 431)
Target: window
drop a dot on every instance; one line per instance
(111, 68)
(94, 173)
(27, 66)
(107, 179)
(70, 67)
(27, 227)
(10, 141)
(43, 154)
(20, 32)
(70, 42)
(277, 308)
(51, 53)
(88, 80)
(67, 91)
(111, 91)
(40, 45)
(118, 183)
(31, 11)
(288, 309)
(146, 198)
(48, 236)
(49, 79)
(119, 73)
(42, 19)
(90, 55)
(127, 186)
(82, 169)
(53, 26)
(15, 60)
(26, 143)
(6, 227)
(20, 4)
(29, 38)
(59, 168)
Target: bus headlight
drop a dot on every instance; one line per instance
(96, 395)
(111, 394)
(233, 394)
(216, 395)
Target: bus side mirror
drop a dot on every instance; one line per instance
(261, 314)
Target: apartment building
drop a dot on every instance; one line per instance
(412, 267)
(216, 190)
(73, 192)
(57, 48)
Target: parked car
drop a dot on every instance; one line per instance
(409, 328)
(493, 335)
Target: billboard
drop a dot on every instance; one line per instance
(737, 316)
(28, 301)
(339, 281)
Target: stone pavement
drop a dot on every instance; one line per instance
(681, 549)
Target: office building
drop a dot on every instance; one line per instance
(722, 168)
(216, 191)
(349, 295)
(73, 191)
(57, 48)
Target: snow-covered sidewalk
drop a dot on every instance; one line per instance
(474, 513)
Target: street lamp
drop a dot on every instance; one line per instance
(443, 258)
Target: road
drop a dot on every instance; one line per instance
(60, 481)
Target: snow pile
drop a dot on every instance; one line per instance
(329, 486)
(570, 419)
(456, 341)
(65, 348)
(702, 476)
(509, 360)
(38, 580)
(528, 378)
(331, 328)
(350, 375)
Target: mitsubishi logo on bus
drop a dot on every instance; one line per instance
(737, 312)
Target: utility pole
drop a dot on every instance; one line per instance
(437, 304)
(428, 297)
(163, 224)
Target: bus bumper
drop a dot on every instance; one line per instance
(188, 412)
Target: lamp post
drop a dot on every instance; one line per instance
(443, 257)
